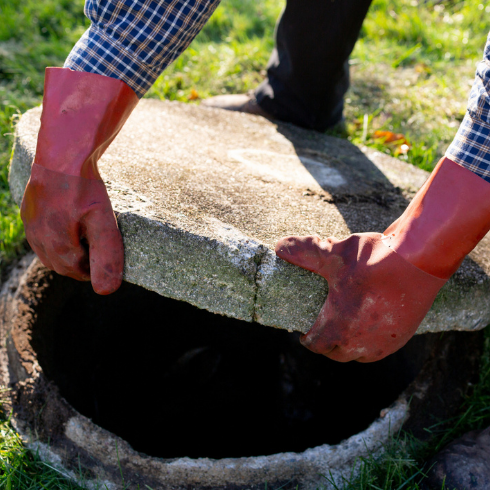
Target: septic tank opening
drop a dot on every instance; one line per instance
(174, 380)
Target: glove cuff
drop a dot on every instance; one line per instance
(82, 114)
(444, 222)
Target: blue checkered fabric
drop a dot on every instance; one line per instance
(471, 146)
(135, 40)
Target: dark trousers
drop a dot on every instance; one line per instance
(308, 71)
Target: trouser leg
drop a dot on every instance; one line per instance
(308, 72)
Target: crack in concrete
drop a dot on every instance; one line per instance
(258, 261)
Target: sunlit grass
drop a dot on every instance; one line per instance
(33, 35)
(228, 56)
(23, 470)
(11, 228)
(412, 72)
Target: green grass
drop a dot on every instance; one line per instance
(411, 73)
(11, 230)
(229, 55)
(23, 470)
(33, 35)
(426, 75)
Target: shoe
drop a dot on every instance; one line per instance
(237, 102)
(464, 464)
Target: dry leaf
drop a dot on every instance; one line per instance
(389, 137)
(193, 95)
(392, 140)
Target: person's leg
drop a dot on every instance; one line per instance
(308, 72)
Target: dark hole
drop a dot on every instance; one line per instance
(174, 380)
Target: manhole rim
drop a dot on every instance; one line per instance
(95, 443)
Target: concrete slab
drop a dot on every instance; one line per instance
(203, 195)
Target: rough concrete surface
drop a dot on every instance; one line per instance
(202, 196)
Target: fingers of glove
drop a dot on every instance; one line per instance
(63, 257)
(38, 249)
(332, 338)
(106, 250)
(322, 337)
(308, 252)
(67, 256)
(344, 342)
(340, 353)
(354, 353)
(54, 235)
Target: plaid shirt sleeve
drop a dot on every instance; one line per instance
(471, 146)
(135, 40)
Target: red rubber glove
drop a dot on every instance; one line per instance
(381, 286)
(66, 211)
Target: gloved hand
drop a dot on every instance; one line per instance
(376, 299)
(381, 286)
(66, 211)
